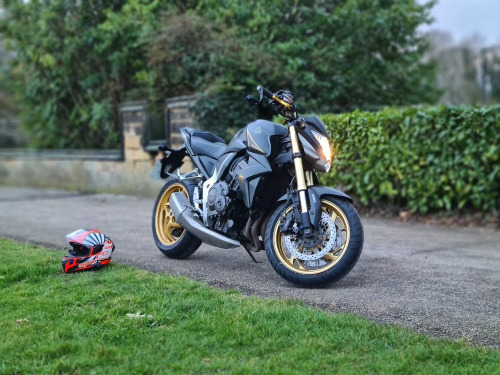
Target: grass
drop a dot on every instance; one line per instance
(78, 324)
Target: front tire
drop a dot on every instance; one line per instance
(324, 261)
(170, 237)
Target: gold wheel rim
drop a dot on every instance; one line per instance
(164, 218)
(331, 258)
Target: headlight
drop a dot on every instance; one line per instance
(323, 141)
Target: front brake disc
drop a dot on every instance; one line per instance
(326, 237)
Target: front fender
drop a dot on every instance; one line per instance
(315, 193)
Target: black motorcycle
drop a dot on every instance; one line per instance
(260, 191)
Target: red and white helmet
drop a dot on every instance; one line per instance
(90, 250)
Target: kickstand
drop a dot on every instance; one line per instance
(251, 255)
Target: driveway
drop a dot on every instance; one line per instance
(440, 281)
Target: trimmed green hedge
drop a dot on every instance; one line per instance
(426, 159)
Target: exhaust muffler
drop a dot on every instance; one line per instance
(183, 214)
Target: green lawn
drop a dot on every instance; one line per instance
(78, 324)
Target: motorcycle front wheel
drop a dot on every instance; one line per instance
(326, 257)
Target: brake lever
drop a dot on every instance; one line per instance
(252, 101)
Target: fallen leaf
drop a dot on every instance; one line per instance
(20, 321)
(404, 215)
(138, 315)
(207, 360)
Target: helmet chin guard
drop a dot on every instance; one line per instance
(90, 250)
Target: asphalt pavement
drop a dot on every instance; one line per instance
(440, 281)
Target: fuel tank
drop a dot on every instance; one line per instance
(260, 136)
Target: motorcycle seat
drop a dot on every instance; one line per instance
(205, 143)
(204, 135)
(201, 146)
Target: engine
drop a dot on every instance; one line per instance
(226, 213)
(218, 197)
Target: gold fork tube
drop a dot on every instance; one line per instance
(309, 178)
(299, 168)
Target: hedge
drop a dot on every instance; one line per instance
(424, 159)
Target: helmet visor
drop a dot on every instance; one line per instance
(78, 250)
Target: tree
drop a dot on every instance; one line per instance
(191, 54)
(5, 76)
(76, 61)
(467, 72)
(336, 56)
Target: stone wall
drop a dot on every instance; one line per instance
(125, 171)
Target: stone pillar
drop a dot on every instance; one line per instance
(179, 116)
(132, 143)
(133, 117)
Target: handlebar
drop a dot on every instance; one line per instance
(265, 92)
(270, 95)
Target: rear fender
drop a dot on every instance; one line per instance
(173, 161)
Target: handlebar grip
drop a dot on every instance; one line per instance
(266, 92)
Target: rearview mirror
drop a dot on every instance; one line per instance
(252, 101)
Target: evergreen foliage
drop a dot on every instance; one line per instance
(427, 159)
(75, 61)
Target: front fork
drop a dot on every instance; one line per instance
(300, 176)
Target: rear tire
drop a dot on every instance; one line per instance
(316, 269)
(173, 240)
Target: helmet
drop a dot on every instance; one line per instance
(90, 250)
(287, 97)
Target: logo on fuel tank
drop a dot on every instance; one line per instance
(257, 130)
(251, 142)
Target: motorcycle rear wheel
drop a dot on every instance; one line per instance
(170, 237)
(315, 265)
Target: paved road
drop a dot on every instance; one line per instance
(439, 281)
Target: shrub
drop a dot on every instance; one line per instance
(424, 158)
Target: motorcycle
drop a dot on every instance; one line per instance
(260, 191)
